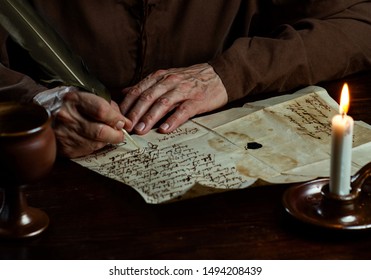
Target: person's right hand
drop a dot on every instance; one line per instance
(86, 123)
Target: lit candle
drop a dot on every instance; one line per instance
(341, 147)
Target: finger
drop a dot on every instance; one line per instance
(95, 108)
(130, 96)
(121, 124)
(192, 107)
(182, 113)
(73, 146)
(133, 93)
(151, 96)
(162, 106)
(103, 133)
(77, 124)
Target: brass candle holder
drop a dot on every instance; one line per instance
(313, 203)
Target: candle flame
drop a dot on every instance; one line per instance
(344, 100)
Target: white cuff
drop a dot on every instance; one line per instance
(52, 99)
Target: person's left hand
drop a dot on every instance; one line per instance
(188, 91)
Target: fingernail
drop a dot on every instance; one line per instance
(120, 125)
(140, 126)
(165, 126)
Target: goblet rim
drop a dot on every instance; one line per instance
(30, 131)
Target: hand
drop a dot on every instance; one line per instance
(86, 123)
(188, 91)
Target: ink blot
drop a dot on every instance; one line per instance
(253, 146)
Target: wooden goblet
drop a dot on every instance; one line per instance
(27, 154)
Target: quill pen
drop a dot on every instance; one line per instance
(46, 47)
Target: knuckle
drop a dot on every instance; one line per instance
(172, 78)
(124, 108)
(62, 115)
(184, 111)
(133, 92)
(158, 73)
(149, 96)
(133, 115)
(102, 111)
(71, 96)
(149, 119)
(163, 101)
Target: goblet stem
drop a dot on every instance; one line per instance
(27, 154)
(17, 219)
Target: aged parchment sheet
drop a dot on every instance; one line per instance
(278, 140)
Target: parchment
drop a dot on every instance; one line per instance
(211, 153)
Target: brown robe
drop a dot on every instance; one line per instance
(254, 45)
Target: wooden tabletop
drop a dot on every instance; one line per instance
(93, 217)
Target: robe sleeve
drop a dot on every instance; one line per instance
(326, 43)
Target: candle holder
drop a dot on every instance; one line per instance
(313, 203)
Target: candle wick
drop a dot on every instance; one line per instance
(343, 114)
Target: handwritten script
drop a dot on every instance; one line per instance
(313, 119)
(162, 174)
(168, 166)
